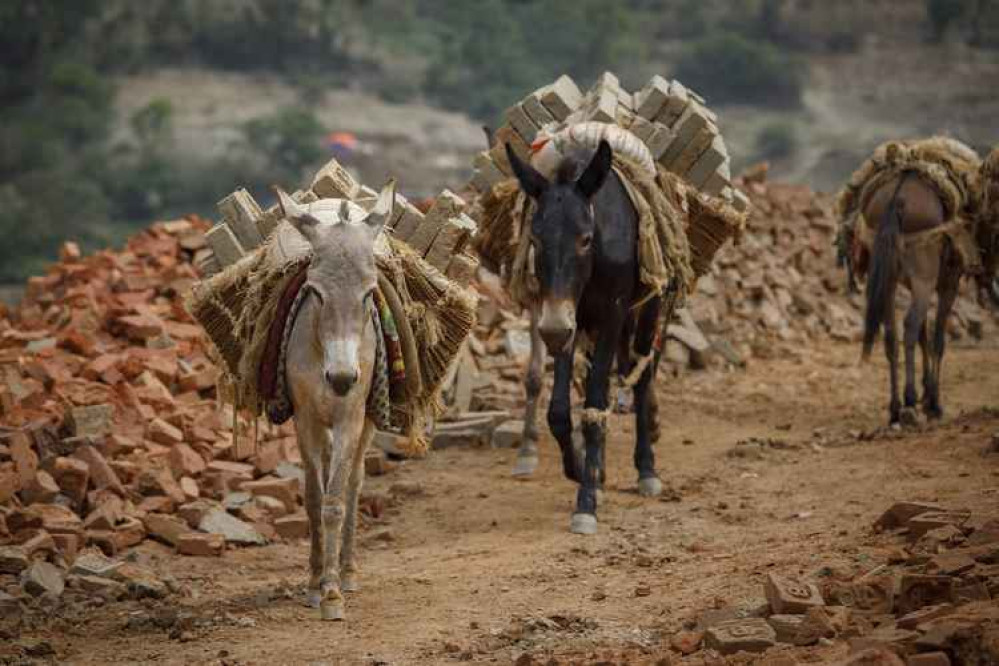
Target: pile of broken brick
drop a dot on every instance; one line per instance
(930, 603)
(110, 432)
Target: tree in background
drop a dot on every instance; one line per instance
(943, 14)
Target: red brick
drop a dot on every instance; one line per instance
(129, 533)
(201, 545)
(10, 483)
(101, 474)
(68, 545)
(24, 457)
(103, 539)
(190, 488)
(167, 529)
(142, 327)
(57, 519)
(193, 512)
(236, 469)
(166, 485)
(184, 461)
(38, 542)
(199, 381)
(100, 366)
(285, 490)
(269, 455)
(162, 432)
(157, 504)
(78, 342)
(72, 476)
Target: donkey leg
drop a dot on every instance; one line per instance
(527, 454)
(560, 415)
(348, 559)
(891, 352)
(313, 508)
(584, 520)
(649, 484)
(950, 280)
(915, 320)
(338, 454)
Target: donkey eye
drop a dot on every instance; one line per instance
(586, 242)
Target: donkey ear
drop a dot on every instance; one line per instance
(532, 182)
(382, 212)
(297, 215)
(592, 179)
(490, 136)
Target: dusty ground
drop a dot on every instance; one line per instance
(476, 567)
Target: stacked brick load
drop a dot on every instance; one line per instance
(440, 235)
(680, 131)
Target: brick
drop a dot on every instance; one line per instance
(193, 512)
(91, 421)
(162, 432)
(520, 148)
(43, 578)
(931, 520)
(130, 532)
(451, 239)
(240, 212)
(521, 122)
(562, 97)
(950, 564)
(603, 103)
(72, 476)
(536, 111)
(224, 244)
(165, 528)
(235, 469)
(915, 618)
(269, 456)
(375, 463)
(161, 482)
(199, 381)
(447, 206)
(201, 545)
(462, 268)
(486, 174)
(917, 591)
(873, 657)
(39, 542)
(787, 628)
(157, 504)
(102, 476)
(718, 182)
(42, 489)
(871, 597)
(100, 366)
(929, 659)
(10, 483)
(790, 596)
(13, 560)
(295, 526)
(651, 99)
(184, 461)
(285, 490)
(24, 457)
(710, 160)
(68, 545)
(676, 104)
(409, 220)
(693, 151)
(900, 513)
(744, 635)
(190, 488)
(333, 181)
(141, 327)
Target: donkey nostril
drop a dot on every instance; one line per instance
(341, 382)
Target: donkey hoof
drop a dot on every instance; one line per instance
(933, 412)
(525, 467)
(313, 598)
(583, 523)
(650, 487)
(909, 418)
(350, 584)
(332, 610)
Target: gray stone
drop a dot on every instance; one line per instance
(94, 563)
(517, 343)
(235, 500)
(234, 530)
(289, 470)
(104, 587)
(11, 615)
(43, 578)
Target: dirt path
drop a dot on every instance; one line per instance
(472, 566)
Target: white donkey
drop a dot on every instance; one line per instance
(329, 367)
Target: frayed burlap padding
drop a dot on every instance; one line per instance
(664, 254)
(236, 307)
(711, 222)
(988, 219)
(946, 165)
(434, 316)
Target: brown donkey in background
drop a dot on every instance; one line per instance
(902, 207)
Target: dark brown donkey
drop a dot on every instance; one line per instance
(897, 212)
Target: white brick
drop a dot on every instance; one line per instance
(536, 111)
(462, 268)
(240, 211)
(521, 122)
(224, 244)
(450, 240)
(333, 181)
(447, 205)
(675, 104)
(651, 99)
(711, 159)
(409, 220)
(562, 97)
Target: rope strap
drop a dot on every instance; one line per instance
(594, 416)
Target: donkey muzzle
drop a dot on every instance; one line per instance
(341, 382)
(557, 325)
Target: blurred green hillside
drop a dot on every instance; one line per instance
(63, 175)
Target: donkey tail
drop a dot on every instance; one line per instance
(883, 278)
